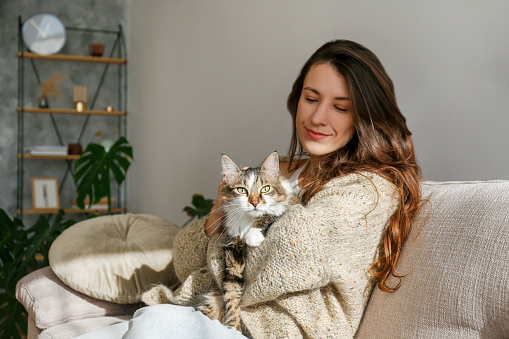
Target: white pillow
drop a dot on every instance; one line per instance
(49, 302)
(115, 258)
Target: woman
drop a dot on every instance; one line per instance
(353, 163)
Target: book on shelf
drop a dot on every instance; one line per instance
(46, 150)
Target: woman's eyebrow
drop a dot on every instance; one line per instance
(318, 93)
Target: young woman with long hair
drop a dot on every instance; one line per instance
(352, 163)
(382, 142)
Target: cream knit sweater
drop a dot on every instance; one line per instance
(309, 277)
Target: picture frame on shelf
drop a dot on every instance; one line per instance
(45, 194)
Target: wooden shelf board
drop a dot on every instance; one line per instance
(67, 111)
(30, 156)
(81, 58)
(71, 210)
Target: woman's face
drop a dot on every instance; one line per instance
(324, 119)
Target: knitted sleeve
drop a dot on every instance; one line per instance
(190, 249)
(310, 275)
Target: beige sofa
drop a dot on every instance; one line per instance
(457, 260)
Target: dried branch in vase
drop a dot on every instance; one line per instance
(50, 87)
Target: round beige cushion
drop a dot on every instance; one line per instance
(115, 258)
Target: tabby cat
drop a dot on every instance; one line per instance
(253, 199)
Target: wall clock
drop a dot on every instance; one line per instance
(43, 33)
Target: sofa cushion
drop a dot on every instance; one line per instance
(76, 328)
(115, 258)
(457, 258)
(49, 302)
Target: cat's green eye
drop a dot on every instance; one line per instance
(265, 189)
(241, 190)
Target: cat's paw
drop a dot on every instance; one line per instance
(211, 305)
(254, 237)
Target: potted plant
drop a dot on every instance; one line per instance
(94, 168)
(22, 250)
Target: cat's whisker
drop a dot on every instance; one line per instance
(232, 215)
(216, 224)
(214, 210)
(222, 231)
(235, 215)
(222, 222)
(214, 221)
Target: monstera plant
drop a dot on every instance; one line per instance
(23, 249)
(93, 170)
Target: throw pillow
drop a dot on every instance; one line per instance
(115, 258)
(49, 302)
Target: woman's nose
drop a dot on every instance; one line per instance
(319, 116)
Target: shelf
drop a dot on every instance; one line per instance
(68, 111)
(79, 58)
(106, 74)
(71, 210)
(30, 156)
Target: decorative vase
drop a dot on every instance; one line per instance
(43, 102)
(107, 143)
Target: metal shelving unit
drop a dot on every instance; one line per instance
(117, 57)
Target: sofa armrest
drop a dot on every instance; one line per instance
(50, 302)
(456, 259)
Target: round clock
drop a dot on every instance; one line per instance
(43, 34)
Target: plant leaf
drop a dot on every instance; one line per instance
(93, 170)
(190, 211)
(202, 207)
(197, 200)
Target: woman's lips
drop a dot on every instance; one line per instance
(316, 135)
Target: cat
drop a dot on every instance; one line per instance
(253, 199)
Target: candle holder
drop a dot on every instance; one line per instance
(80, 97)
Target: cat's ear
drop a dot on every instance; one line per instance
(230, 169)
(271, 165)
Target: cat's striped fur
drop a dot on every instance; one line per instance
(253, 199)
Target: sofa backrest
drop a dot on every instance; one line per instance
(457, 260)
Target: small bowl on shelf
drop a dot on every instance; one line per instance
(96, 50)
(74, 149)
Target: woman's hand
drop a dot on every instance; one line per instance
(214, 224)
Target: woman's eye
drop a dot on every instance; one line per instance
(311, 100)
(340, 109)
(265, 189)
(241, 190)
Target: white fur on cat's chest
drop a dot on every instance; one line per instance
(243, 229)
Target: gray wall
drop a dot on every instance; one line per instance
(106, 14)
(212, 77)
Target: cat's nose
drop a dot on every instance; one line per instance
(254, 203)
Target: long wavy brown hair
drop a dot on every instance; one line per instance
(381, 144)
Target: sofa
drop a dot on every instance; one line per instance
(455, 263)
